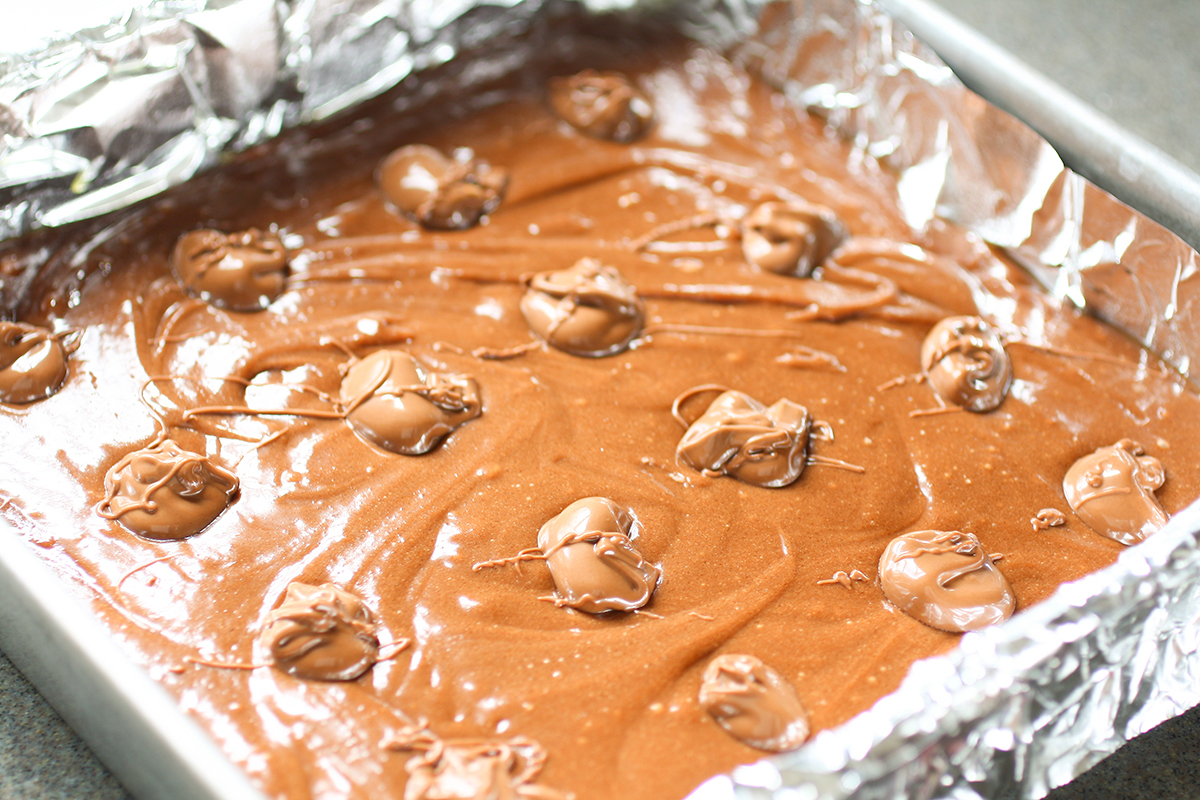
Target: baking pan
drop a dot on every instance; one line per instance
(130, 721)
(1090, 143)
(1019, 708)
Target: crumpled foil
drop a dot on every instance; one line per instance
(94, 120)
(1022, 707)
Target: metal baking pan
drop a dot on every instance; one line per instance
(1016, 709)
(1090, 143)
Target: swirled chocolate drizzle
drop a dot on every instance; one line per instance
(307, 404)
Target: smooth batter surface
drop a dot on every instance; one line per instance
(613, 698)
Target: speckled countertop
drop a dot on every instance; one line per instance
(1137, 62)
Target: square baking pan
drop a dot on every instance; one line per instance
(1019, 708)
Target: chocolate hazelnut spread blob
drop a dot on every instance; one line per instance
(966, 363)
(790, 238)
(753, 703)
(588, 309)
(321, 633)
(396, 403)
(1048, 518)
(603, 105)
(745, 439)
(441, 193)
(946, 580)
(166, 492)
(589, 549)
(33, 363)
(241, 271)
(1112, 490)
(470, 769)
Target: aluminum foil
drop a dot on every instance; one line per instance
(1022, 707)
(94, 120)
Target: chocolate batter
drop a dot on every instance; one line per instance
(543, 697)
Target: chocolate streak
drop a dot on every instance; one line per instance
(607, 696)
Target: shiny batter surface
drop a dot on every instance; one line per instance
(612, 699)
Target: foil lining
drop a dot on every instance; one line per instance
(97, 119)
(1021, 708)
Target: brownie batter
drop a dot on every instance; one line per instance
(497, 684)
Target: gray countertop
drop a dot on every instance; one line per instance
(1136, 62)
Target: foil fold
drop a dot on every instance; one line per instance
(98, 119)
(1021, 708)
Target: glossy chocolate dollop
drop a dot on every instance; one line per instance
(790, 238)
(1112, 490)
(946, 580)
(33, 363)
(166, 492)
(740, 437)
(395, 403)
(589, 549)
(588, 309)
(470, 769)
(753, 703)
(440, 193)
(966, 363)
(603, 105)
(321, 633)
(241, 271)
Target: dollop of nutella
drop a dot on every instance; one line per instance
(241, 271)
(441, 193)
(745, 439)
(33, 363)
(166, 492)
(753, 703)
(588, 309)
(790, 238)
(321, 633)
(396, 403)
(946, 580)
(966, 363)
(1112, 490)
(603, 105)
(470, 769)
(589, 549)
